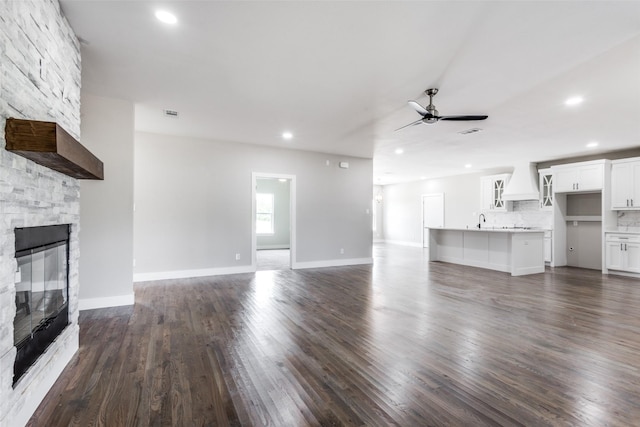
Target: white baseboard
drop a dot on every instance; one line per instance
(332, 263)
(104, 302)
(267, 247)
(404, 243)
(184, 274)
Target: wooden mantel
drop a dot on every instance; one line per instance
(48, 144)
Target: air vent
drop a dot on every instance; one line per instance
(468, 131)
(171, 113)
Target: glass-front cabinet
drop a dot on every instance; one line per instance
(546, 189)
(492, 189)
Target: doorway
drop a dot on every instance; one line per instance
(273, 225)
(432, 214)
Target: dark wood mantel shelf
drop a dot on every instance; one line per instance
(48, 144)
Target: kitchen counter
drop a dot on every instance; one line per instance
(624, 230)
(496, 229)
(511, 250)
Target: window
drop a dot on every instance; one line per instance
(264, 213)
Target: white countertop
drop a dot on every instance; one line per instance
(624, 230)
(494, 230)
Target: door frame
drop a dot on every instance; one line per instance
(422, 210)
(292, 215)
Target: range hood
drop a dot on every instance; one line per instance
(523, 184)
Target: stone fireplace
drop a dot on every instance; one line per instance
(39, 80)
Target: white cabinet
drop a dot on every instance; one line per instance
(547, 244)
(585, 176)
(516, 252)
(625, 184)
(492, 188)
(546, 189)
(623, 252)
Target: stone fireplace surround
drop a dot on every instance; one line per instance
(39, 80)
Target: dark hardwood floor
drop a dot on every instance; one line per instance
(404, 342)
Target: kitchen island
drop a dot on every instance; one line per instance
(511, 250)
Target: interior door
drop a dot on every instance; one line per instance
(432, 214)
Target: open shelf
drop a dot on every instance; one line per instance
(594, 218)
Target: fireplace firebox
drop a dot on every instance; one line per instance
(42, 291)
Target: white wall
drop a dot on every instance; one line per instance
(280, 239)
(106, 207)
(378, 207)
(402, 213)
(193, 205)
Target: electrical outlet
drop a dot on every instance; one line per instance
(341, 251)
(237, 257)
(134, 262)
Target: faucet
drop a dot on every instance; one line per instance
(484, 219)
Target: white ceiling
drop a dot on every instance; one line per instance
(338, 75)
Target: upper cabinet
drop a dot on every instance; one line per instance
(492, 188)
(625, 184)
(576, 177)
(546, 189)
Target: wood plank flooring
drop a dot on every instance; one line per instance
(404, 342)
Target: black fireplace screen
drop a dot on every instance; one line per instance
(42, 288)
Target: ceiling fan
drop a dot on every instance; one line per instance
(430, 114)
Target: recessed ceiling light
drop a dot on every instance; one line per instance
(287, 135)
(166, 17)
(592, 144)
(468, 165)
(574, 100)
(423, 177)
(399, 151)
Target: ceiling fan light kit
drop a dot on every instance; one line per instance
(430, 115)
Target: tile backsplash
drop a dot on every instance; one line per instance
(629, 219)
(523, 214)
(529, 214)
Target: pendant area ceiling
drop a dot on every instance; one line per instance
(338, 75)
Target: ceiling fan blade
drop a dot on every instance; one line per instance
(419, 108)
(462, 118)
(417, 122)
